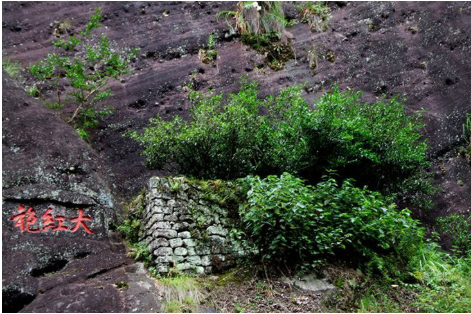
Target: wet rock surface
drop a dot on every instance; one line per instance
(309, 283)
(120, 289)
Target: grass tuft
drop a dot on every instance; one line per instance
(13, 68)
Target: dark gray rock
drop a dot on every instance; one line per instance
(49, 172)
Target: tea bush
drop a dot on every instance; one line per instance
(87, 64)
(290, 221)
(378, 143)
(232, 137)
(456, 228)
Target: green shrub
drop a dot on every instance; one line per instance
(87, 64)
(232, 139)
(221, 140)
(456, 228)
(229, 138)
(290, 221)
(377, 142)
(33, 91)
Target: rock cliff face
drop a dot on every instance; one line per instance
(419, 51)
(57, 215)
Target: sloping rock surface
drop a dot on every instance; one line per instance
(419, 51)
(46, 166)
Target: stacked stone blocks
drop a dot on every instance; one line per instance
(183, 229)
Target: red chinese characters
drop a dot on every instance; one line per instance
(25, 219)
(80, 222)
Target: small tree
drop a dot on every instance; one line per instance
(86, 63)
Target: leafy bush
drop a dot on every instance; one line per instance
(457, 229)
(290, 221)
(230, 138)
(87, 63)
(379, 143)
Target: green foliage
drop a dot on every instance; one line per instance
(445, 282)
(456, 228)
(467, 129)
(89, 119)
(276, 53)
(229, 138)
(226, 14)
(218, 142)
(181, 294)
(122, 285)
(131, 228)
(211, 41)
(259, 17)
(377, 303)
(13, 68)
(87, 63)
(316, 14)
(417, 190)
(437, 282)
(290, 221)
(379, 142)
(33, 91)
(209, 55)
(84, 135)
(261, 25)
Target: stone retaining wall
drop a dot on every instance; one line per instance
(184, 229)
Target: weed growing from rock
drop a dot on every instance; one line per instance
(210, 54)
(87, 63)
(261, 25)
(13, 68)
(316, 14)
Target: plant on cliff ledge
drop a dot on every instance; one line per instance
(261, 25)
(13, 68)
(231, 139)
(316, 14)
(257, 17)
(81, 68)
(377, 144)
(467, 129)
